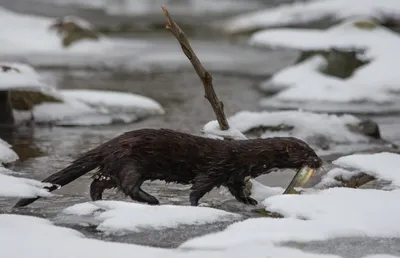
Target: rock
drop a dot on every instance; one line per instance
(366, 127)
(25, 100)
(340, 62)
(6, 114)
(74, 29)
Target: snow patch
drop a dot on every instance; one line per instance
(11, 186)
(7, 155)
(322, 215)
(383, 166)
(19, 76)
(304, 83)
(117, 216)
(313, 11)
(305, 125)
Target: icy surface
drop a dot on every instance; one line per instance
(313, 11)
(327, 214)
(383, 166)
(306, 125)
(117, 216)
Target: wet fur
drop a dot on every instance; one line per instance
(128, 160)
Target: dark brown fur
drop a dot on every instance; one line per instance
(130, 159)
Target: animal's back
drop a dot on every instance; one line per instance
(163, 154)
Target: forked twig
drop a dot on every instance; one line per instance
(205, 76)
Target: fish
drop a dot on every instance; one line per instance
(300, 179)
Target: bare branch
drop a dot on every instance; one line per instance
(205, 76)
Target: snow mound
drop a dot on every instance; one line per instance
(115, 101)
(332, 127)
(117, 216)
(313, 11)
(371, 87)
(41, 37)
(7, 155)
(19, 76)
(383, 166)
(11, 186)
(323, 215)
(92, 107)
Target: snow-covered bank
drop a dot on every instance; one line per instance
(326, 133)
(372, 87)
(36, 235)
(313, 11)
(118, 216)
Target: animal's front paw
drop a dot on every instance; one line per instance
(251, 201)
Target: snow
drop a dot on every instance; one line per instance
(7, 155)
(383, 166)
(117, 216)
(41, 38)
(312, 11)
(303, 82)
(115, 101)
(23, 78)
(322, 215)
(333, 127)
(36, 235)
(11, 186)
(145, 7)
(92, 107)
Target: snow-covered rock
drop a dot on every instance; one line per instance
(306, 12)
(20, 76)
(7, 154)
(383, 166)
(372, 87)
(118, 216)
(318, 130)
(74, 107)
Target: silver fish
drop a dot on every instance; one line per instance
(300, 179)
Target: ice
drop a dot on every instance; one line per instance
(313, 11)
(303, 83)
(383, 166)
(321, 215)
(333, 127)
(118, 216)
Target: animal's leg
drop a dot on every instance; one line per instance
(236, 189)
(202, 184)
(131, 181)
(99, 184)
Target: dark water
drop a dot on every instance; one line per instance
(44, 150)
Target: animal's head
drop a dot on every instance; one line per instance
(292, 153)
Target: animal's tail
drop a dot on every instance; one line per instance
(78, 168)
